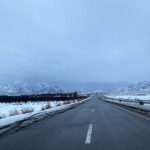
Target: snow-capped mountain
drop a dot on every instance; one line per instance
(140, 86)
(136, 87)
(23, 88)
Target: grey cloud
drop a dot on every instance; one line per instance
(83, 40)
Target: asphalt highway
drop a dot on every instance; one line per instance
(94, 125)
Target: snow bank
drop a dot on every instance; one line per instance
(131, 101)
(131, 97)
(5, 108)
(145, 107)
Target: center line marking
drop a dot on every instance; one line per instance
(89, 133)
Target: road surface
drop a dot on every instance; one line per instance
(94, 125)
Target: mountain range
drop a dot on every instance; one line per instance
(141, 87)
(33, 88)
(24, 88)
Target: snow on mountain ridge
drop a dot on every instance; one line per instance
(141, 87)
(23, 88)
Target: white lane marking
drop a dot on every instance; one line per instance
(141, 116)
(92, 110)
(89, 134)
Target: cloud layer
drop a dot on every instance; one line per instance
(82, 40)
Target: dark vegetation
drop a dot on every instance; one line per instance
(43, 97)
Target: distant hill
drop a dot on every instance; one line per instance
(140, 87)
(31, 88)
(94, 86)
(24, 88)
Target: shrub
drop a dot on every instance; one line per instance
(47, 106)
(2, 116)
(67, 102)
(59, 104)
(27, 110)
(13, 113)
(141, 103)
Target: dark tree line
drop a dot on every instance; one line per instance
(42, 97)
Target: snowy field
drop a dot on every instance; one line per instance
(7, 109)
(12, 112)
(130, 100)
(130, 97)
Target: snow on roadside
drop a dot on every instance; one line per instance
(125, 100)
(131, 104)
(12, 119)
(5, 108)
(130, 97)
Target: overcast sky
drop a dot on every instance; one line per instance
(75, 40)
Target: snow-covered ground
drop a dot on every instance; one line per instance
(130, 100)
(7, 108)
(12, 112)
(130, 97)
(17, 109)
